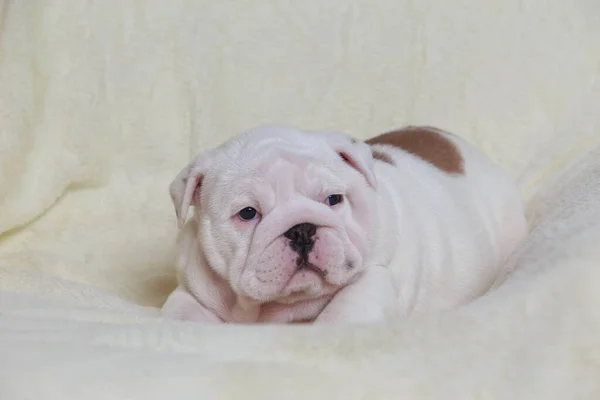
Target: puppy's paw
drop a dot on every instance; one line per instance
(371, 299)
(181, 305)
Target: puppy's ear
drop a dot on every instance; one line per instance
(185, 188)
(358, 155)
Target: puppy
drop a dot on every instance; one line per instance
(309, 226)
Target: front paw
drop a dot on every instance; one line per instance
(366, 313)
(181, 305)
(371, 299)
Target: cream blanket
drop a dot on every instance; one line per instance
(101, 103)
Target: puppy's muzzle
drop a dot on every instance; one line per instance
(302, 242)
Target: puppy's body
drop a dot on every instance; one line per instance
(449, 219)
(425, 224)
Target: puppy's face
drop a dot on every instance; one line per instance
(284, 214)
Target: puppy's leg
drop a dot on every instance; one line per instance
(183, 306)
(372, 298)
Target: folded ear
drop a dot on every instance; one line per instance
(358, 155)
(185, 188)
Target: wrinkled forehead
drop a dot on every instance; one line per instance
(280, 161)
(282, 139)
(260, 147)
(285, 161)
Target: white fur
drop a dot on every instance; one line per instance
(407, 238)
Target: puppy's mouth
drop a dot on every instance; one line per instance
(302, 263)
(297, 290)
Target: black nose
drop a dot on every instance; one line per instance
(301, 237)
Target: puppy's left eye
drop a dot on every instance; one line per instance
(248, 213)
(334, 199)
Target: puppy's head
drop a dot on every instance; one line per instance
(284, 215)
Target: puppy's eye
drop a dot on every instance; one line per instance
(334, 199)
(248, 213)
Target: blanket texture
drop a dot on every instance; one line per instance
(102, 102)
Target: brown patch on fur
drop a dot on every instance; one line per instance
(381, 156)
(430, 144)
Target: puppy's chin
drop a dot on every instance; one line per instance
(305, 285)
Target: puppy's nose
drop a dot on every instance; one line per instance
(301, 236)
(301, 232)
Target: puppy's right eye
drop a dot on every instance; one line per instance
(334, 199)
(248, 214)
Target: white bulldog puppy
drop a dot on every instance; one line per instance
(307, 226)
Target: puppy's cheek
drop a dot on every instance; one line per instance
(275, 264)
(357, 238)
(360, 218)
(237, 244)
(268, 272)
(214, 246)
(237, 263)
(328, 250)
(330, 255)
